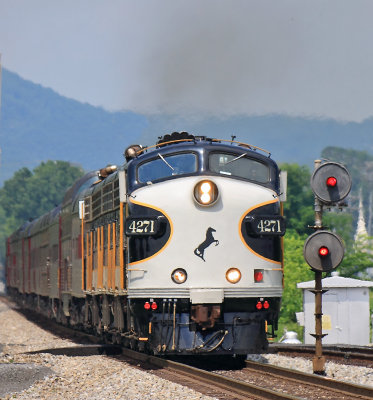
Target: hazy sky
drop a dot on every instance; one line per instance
(220, 57)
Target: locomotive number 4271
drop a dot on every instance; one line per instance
(141, 226)
(269, 225)
(266, 225)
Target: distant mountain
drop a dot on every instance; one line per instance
(37, 124)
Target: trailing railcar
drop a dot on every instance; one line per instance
(179, 251)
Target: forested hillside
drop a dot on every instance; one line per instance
(37, 124)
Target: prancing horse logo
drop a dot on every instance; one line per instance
(200, 250)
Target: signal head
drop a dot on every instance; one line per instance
(323, 251)
(331, 183)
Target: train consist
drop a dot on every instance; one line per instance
(179, 251)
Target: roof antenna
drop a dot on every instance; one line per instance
(233, 137)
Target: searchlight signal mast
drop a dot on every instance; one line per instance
(324, 250)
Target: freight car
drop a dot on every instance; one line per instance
(178, 251)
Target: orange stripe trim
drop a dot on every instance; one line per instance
(171, 230)
(242, 238)
(82, 245)
(121, 256)
(99, 264)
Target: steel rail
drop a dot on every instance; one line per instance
(321, 381)
(209, 378)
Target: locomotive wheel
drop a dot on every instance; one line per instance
(117, 339)
(133, 344)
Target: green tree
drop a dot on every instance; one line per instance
(342, 224)
(296, 270)
(28, 195)
(298, 208)
(358, 259)
(14, 197)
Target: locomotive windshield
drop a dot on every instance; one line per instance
(240, 166)
(166, 166)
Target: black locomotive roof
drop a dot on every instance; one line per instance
(201, 144)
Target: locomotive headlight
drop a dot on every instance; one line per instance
(233, 275)
(179, 275)
(206, 193)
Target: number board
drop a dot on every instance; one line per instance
(142, 226)
(266, 225)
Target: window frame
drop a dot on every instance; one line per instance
(166, 177)
(244, 156)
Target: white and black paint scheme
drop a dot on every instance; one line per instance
(179, 251)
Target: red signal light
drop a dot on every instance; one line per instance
(266, 305)
(147, 306)
(331, 181)
(154, 306)
(259, 305)
(323, 251)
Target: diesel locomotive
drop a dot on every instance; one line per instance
(178, 251)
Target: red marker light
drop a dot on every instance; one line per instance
(331, 181)
(147, 306)
(259, 305)
(154, 306)
(266, 305)
(258, 275)
(323, 251)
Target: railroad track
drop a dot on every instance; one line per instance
(288, 383)
(209, 383)
(315, 386)
(351, 355)
(270, 382)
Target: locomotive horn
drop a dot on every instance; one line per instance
(105, 172)
(132, 151)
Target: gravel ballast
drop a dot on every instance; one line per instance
(47, 376)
